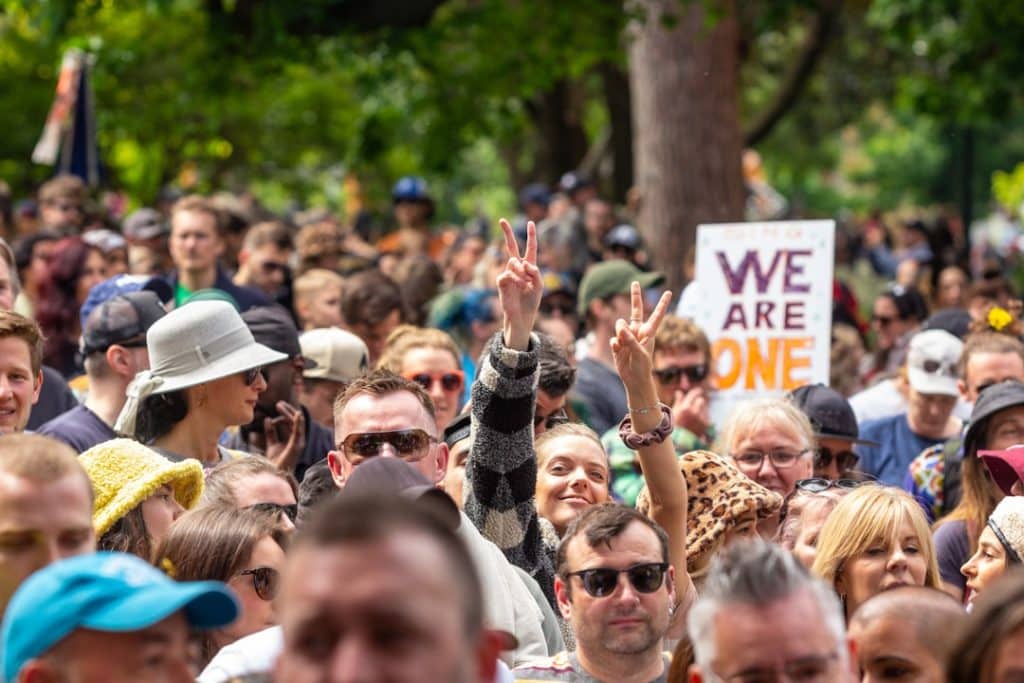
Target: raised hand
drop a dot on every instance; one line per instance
(633, 343)
(284, 451)
(519, 287)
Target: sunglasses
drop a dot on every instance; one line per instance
(451, 381)
(249, 376)
(265, 581)
(274, 267)
(410, 444)
(882, 320)
(845, 460)
(600, 583)
(563, 309)
(289, 511)
(819, 484)
(553, 420)
(671, 374)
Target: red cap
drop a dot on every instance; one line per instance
(1006, 467)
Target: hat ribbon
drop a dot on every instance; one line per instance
(144, 384)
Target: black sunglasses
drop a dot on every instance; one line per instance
(882, 320)
(290, 511)
(411, 444)
(554, 419)
(450, 381)
(265, 581)
(600, 583)
(563, 309)
(845, 460)
(249, 376)
(671, 374)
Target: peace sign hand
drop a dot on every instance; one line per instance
(519, 287)
(633, 343)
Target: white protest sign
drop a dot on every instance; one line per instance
(766, 304)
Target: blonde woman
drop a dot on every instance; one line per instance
(771, 441)
(430, 358)
(876, 538)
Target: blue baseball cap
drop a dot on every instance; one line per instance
(410, 189)
(120, 285)
(103, 591)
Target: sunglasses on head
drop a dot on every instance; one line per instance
(845, 460)
(671, 374)
(290, 511)
(249, 376)
(264, 581)
(410, 444)
(450, 381)
(819, 484)
(600, 583)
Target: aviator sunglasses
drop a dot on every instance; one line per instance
(601, 582)
(410, 444)
(264, 581)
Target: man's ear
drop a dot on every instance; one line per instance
(39, 387)
(38, 671)
(961, 386)
(563, 596)
(338, 466)
(441, 456)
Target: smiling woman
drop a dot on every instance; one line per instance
(572, 473)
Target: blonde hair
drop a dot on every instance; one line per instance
(313, 281)
(405, 338)
(870, 513)
(750, 415)
(542, 442)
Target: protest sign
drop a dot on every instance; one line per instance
(766, 304)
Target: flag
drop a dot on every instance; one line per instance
(68, 140)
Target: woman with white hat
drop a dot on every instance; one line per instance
(205, 376)
(1000, 546)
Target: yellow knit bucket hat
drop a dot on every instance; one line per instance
(124, 473)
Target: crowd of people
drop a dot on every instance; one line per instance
(246, 447)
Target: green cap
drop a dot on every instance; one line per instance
(609, 278)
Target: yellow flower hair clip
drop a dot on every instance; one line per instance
(168, 567)
(998, 318)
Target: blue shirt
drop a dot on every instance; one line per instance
(898, 446)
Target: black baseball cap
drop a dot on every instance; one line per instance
(120, 319)
(384, 475)
(273, 326)
(458, 429)
(830, 414)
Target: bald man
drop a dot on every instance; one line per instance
(908, 630)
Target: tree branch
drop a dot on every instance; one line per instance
(814, 47)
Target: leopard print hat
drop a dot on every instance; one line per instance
(718, 494)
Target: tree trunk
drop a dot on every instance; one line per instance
(684, 77)
(558, 115)
(615, 84)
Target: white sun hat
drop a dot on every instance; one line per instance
(199, 342)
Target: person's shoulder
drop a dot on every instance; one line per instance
(556, 668)
(879, 426)
(252, 654)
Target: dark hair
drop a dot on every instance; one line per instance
(57, 311)
(419, 279)
(909, 303)
(556, 372)
(158, 414)
(128, 535)
(361, 519)
(24, 247)
(369, 297)
(599, 524)
(997, 613)
(381, 382)
(317, 486)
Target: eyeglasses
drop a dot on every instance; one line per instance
(671, 374)
(780, 459)
(564, 309)
(600, 583)
(451, 381)
(819, 484)
(290, 511)
(265, 581)
(845, 460)
(809, 669)
(410, 444)
(249, 376)
(935, 367)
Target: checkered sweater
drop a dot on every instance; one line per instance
(501, 470)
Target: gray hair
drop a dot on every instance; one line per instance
(758, 573)
(750, 415)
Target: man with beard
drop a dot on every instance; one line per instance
(282, 428)
(616, 589)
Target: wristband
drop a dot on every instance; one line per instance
(657, 435)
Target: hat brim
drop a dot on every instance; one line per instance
(251, 356)
(207, 604)
(1006, 468)
(932, 383)
(185, 478)
(977, 424)
(847, 437)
